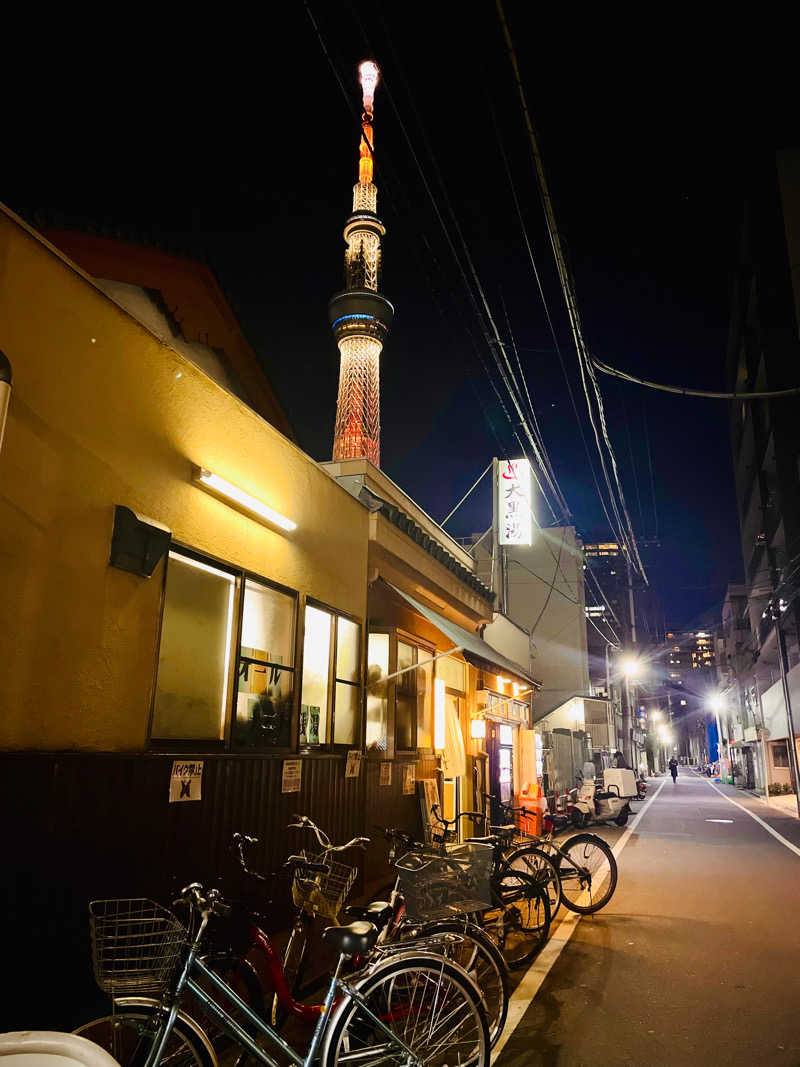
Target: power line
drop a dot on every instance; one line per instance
(584, 364)
(707, 394)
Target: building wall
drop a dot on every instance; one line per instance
(556, 620)
(103, 413)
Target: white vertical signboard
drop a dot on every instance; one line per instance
(514, 502)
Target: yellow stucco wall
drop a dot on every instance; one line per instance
(102, 413)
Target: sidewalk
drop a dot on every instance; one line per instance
(786, 802)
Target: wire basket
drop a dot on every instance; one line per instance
(323, 894)
(136, 945)
(439, 885)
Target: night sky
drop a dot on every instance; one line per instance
(237, 140)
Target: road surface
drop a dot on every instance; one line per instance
(695, 959)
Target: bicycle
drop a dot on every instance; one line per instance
(458, 940)
(321, 893)
(409, 1009)
(585, 862)
(518, 917)
(455, 936)
(528, 858)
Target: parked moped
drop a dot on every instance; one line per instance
(606, 799)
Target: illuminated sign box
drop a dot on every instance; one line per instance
(514, 518)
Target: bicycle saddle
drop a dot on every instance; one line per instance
(378, 912)
(353, 940)
(490, 839)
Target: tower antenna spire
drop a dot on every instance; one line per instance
(360, 316)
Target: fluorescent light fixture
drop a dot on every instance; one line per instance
(232, 494)
(438, 713)
(478, 729)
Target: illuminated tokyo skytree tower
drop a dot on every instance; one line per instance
(360, 317)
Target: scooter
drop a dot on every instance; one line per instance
(607, 800)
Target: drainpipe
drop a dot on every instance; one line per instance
(5, 393)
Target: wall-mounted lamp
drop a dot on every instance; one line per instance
(232, 494)
(477, 729)
(438, 713)
(502, 681)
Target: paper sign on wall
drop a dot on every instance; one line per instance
(386, 774)
(353, 768)
(186, 780)
(292, 775)
(409, 779)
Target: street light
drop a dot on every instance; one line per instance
(631, 667)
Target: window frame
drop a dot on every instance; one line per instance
(225, 744)
(395, 635)
(329, 745)
(294, 720)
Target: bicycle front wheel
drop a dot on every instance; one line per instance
(128, 1036)
(532, 860)
(475, 951)
(429, 1005)
(519, 921)
(588, 872)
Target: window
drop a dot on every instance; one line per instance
(409, 696)
(377, 693)
(198, 665)
(331, 692)
(265, 672)
(194, 660)
(405, 721)
(780, 754)
(452, 672)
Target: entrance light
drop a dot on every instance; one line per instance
(477, 729)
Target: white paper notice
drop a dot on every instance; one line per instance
(409, 779)
(292, 775)
(186, 780)
(353, 768)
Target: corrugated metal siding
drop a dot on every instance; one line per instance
(80, 826)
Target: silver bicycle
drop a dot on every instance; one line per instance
(407, 1008)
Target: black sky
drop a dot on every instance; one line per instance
(234, 137)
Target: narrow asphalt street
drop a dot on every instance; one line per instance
(695, 957)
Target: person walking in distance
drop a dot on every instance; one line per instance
(673, 769)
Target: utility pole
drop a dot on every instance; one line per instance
(627, 717)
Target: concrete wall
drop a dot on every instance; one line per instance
(104, 413)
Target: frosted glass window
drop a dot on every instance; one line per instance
(316, 676)
(452, 672)
(405, 717)
(194, 660)
(265, 675)
(348, 652)
(377, 692)
(425, 701)
(345, 721)
(268, 624)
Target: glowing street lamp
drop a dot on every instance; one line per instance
(631, 667)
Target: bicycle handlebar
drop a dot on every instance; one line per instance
(304, 823)
(207, 903)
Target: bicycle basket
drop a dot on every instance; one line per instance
(323, 894)
(439, 885)
(136, 945)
